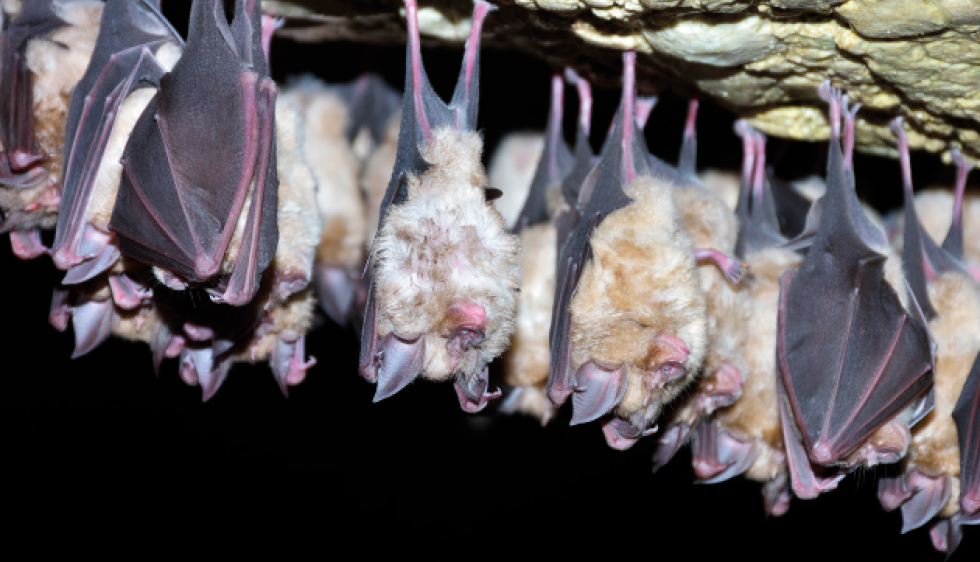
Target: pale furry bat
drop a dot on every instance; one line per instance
(939, 483)
(445, 269)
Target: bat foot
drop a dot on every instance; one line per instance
(733, 269)
(471, 406)
(26, 244)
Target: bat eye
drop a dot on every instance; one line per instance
(492, 194)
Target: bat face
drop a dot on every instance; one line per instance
(188, 174)
(445, 269)
(856, 408)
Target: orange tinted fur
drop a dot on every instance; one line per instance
(642, 282)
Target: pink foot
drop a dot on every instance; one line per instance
(733, 269)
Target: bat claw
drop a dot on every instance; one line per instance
(288, 364)
(733, 269)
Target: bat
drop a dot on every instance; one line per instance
(555, 163)
(371, 103)
(854, 381)
(45, 51)
(176, 210)
(942, 454)
(570, 205)
(445, 270)
(326, 148)
(135, 48)
(513, 165)
(628, 329)
(526, 362)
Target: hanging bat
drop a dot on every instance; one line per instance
(45, 50)
(526, 362)
(177, 210)
(856, 378)
(341, 250)
(371, 104)
(942, 454)
(513, 165)
(628, 331)
(445, 270)
(135, 48)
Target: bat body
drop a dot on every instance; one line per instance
(445, 269)
(342, 248)
(629, 332)
(855, 409)
(939, 474)
(527, 360)
(135, 48)
(512, 167)
(176, 209)
(46, 50)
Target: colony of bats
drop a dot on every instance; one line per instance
(788, 335)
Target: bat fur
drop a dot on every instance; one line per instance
(512, 169)
(58, 62)
(443, 246)
(642, 284)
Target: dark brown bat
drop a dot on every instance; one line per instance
(855, 365)
(371, 103)
(131, 33)
(967, 416)
(555, 163)
(201, 151)
(445, 270)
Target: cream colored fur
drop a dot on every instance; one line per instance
(527, 361)
(444, 245)
(511, 171)
(755, 415)
(326, 150)
(956, 330)
(377, 173)
(724, 183)
(711, 224)
(110, 169)
(642, 283)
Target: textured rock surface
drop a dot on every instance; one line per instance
(763, 59)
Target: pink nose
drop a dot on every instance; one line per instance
(467, 315)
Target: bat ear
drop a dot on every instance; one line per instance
(466, 98)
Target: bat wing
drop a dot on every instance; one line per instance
(851, 357)
(193, 155)
(371, 102)
(131, 31)
(966, 414)
(584, 162)
(792, 207)
(36, 18)
(423, 110)
(555, 163)
(624, 156)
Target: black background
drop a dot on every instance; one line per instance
(100, 445)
